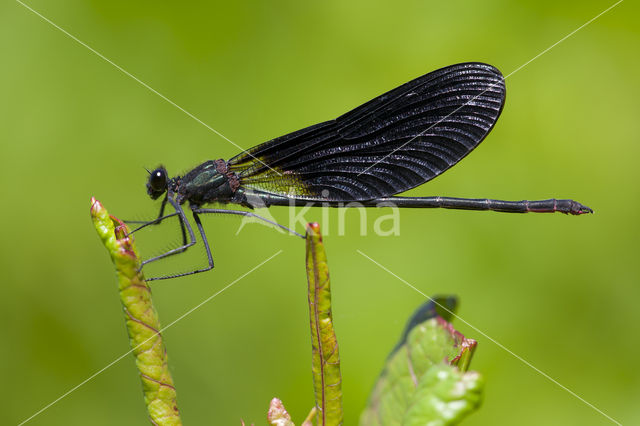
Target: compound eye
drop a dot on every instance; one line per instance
(158, 180)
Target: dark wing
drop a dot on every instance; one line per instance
(392, 143)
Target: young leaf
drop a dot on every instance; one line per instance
(327, 381)
(421, 382)
(141, 318)
(278, 415)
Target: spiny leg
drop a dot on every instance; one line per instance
(184, 232)
(182, 227)
(196, 218)
(248, 214)
(207, 248)
(185, 223)
(152, 222)
(159, 219)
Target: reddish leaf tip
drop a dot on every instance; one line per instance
(95, 206)
(277, 412)
(314, 226)
(313, 230)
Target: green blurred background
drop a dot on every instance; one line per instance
(561, 292)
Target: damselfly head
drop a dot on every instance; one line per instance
(157, 182)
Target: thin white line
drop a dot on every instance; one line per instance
(500, 345)
(127, 73)
(493, 85)
(563, 39)
(142, 343)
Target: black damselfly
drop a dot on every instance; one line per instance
(389, 145)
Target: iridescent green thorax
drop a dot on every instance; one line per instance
(209, 182)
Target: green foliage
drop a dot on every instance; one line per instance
(421, 383)
(327, 382)
(141, 318)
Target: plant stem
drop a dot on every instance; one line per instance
(140, 317)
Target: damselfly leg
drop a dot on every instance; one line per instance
(187, 229)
